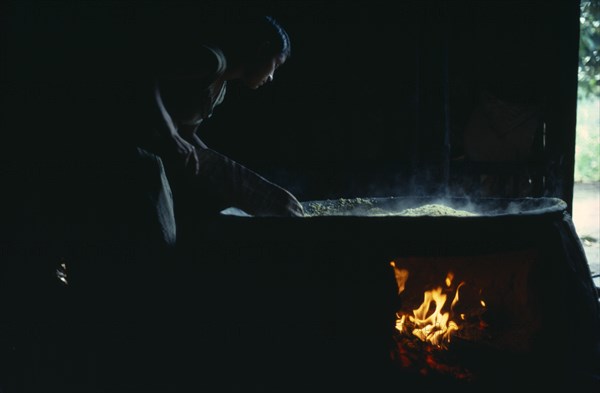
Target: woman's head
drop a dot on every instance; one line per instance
(248, 49)
(254, 49)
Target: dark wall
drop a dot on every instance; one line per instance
(374, 99)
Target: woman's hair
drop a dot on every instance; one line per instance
(241, 38)
(282, 40)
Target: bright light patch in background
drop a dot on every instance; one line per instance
(586, 193)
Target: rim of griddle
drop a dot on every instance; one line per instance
(488, 208)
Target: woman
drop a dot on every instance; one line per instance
(185, 93)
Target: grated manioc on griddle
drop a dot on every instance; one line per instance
(435, 210)
(366, 207)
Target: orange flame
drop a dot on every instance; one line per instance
(449, 279)
(435, 328)
(456, 296)
(401, 277)
(429, 324)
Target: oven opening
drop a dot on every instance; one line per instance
(452, 311)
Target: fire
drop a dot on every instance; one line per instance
(449, 279)
(435, 328)
(434, 321)
(401, 276)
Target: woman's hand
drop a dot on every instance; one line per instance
(182, 152)
(185, 153)
(281, 202)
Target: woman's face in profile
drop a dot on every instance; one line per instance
(262, 71)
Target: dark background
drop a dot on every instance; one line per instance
(373, 101)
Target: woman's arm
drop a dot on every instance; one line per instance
(184, 152)
(243, 188)
(184, 96)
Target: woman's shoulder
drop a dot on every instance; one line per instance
(208, 62)
(204, 62)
